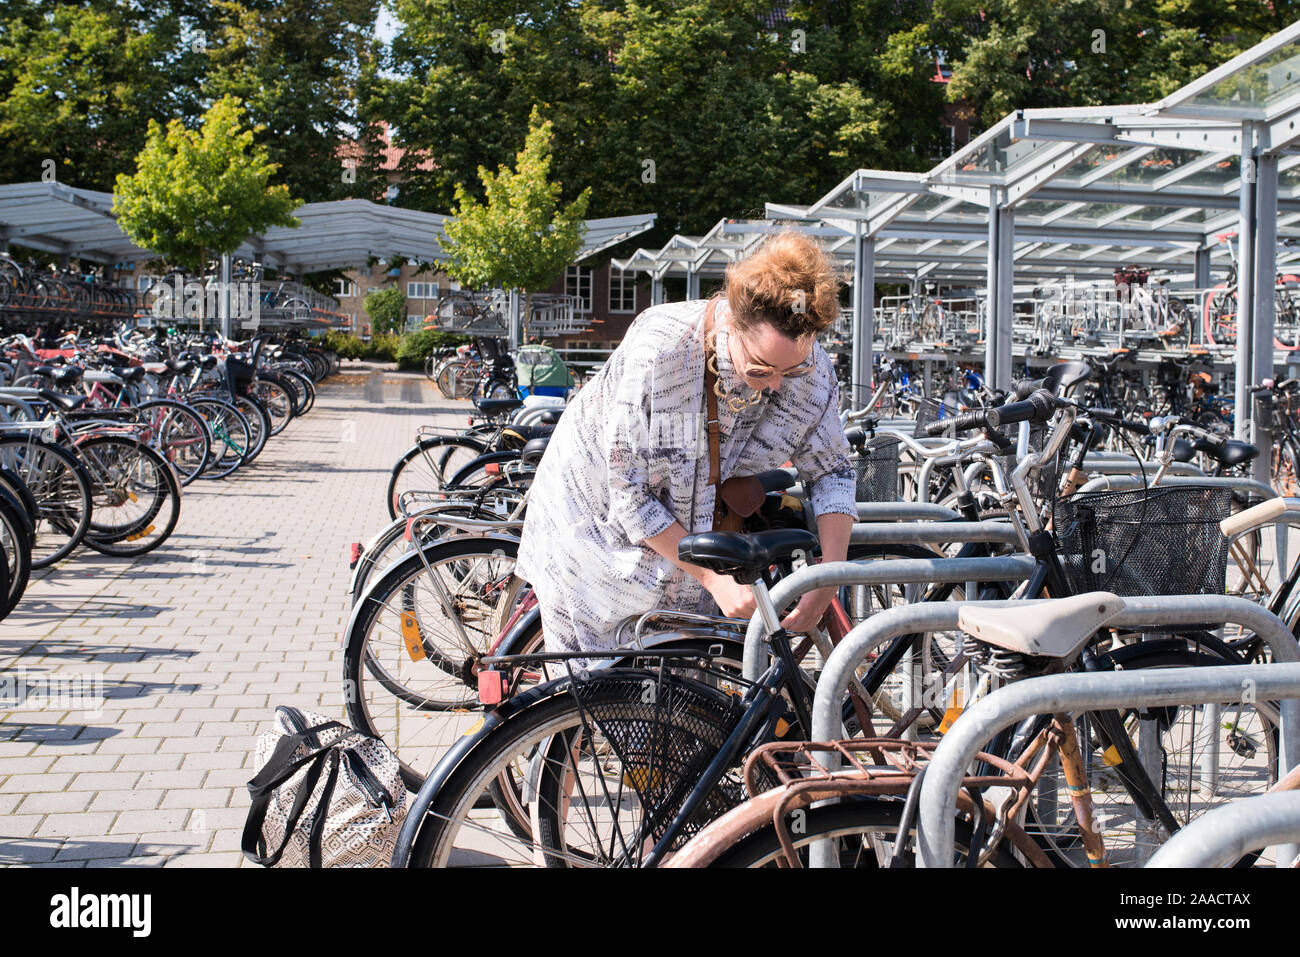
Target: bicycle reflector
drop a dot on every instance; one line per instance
(492, 687)
(355, 555)
(492, 468)
(411, 636)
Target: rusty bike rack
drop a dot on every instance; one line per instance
(936, 616)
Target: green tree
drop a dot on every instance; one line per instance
(1015, 54)
(519, 237)
(295, 64)
(78, 83)
(695, 110)
(80, 80)
(387, 309)
(201, 192)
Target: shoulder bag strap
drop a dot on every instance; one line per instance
(711, 421)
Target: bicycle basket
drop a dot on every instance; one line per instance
(239, 374)
(658, 732)
(1159, 541)
(876, 466)
(927, 411)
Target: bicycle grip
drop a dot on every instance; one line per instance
(1024, 388)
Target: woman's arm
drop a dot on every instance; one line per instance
(823, 460)
(734, 599)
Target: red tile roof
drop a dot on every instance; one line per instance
(391, 155)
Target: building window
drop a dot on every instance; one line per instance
(421, 290)
(577, 283)
(622, 290)
(947, 144)
(345, 289)
(144, 283)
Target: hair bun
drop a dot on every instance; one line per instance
(788, 282)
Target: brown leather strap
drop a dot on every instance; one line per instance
(711, 422)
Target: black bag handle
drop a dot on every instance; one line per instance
(316, 830)
(280, 768)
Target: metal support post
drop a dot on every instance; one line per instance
(223, 296)
(864, 316)
(1245, 283)
(1265, 281)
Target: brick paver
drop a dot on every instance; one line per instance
(240, 610)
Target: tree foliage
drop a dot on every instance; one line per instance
(201, 192)
(386, 308)
(79, 81)
(1015, 54)
(518, 237)
(694, 110)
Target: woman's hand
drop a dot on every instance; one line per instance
(809, 611)
(734, 599)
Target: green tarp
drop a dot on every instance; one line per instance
(541, 366)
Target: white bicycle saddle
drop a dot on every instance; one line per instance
(1047, 628)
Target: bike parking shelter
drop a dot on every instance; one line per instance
(1067, 194)
(343, 234)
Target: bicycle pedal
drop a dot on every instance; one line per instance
(1243, 745)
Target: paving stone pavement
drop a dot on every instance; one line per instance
(242, 609)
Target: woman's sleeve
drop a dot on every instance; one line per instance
(823, 460)
(632, 506)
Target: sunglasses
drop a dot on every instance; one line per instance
(761, 370)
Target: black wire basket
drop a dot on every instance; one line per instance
(927, 411)
(658, 733)
(876, 465)
(1156, 541)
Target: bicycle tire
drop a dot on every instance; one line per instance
(259, 423)
(1111, 800)
(547, 714)
(58, 482)
(231, 435)
(422, 467)
(404, 604)
(277, 399)
(179, 452)
(15, 550)
(146, 472)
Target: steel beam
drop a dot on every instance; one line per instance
(864, 317)
(1245, 285)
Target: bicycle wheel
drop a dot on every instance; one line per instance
(137, 495)
(611, 764)
(1286, 469)
(426, 466)
(411, 643)
(276, 398)
(15, 550)
(58, 482)
(231, 435)
(485, 472)
(1195, 761)
(865, 831)
(180, 434)
(259, 423)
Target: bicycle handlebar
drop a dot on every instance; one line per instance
(1111, 418)
(1037, 408)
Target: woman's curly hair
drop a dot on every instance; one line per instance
(788, 282)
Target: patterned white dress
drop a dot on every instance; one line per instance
(630, 457)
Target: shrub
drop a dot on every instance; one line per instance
(418, 346)
(344, 345)
(383, 347)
